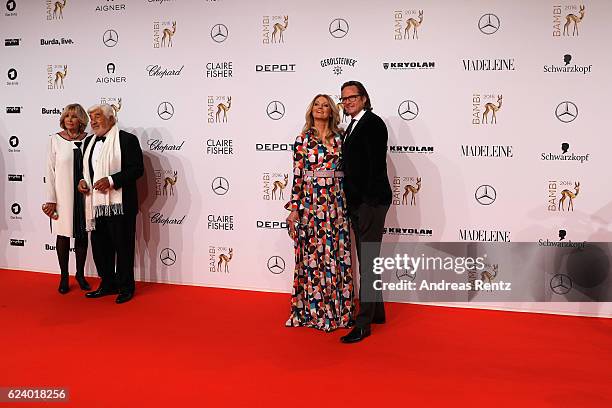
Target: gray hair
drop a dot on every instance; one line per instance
(106, 109)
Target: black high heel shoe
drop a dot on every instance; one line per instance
(83, 284)
(64, 287)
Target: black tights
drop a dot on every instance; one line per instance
(62, 246)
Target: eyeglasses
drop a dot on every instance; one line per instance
(350, 98)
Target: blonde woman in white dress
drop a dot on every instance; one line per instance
(64, 203)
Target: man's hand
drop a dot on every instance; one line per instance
(49, 209)
(82, 187)
(292, 219)
(102, 185)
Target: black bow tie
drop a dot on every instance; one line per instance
(100, 138)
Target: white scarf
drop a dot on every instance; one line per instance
(98, 204)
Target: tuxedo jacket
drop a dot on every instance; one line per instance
(364, 154)
(132, 168)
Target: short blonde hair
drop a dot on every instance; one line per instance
(80, 114)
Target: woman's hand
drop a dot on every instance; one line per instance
(82, 187)
(292, 219)
(49, 210)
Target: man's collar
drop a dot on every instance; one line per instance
(359, 115)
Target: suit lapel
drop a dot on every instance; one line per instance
(355, 130)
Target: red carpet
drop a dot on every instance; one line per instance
(184, 346)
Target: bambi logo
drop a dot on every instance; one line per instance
(117, 107)
(58, 10)
(170, 181)
(56, 75)
(414, 24)
(572, 18)
(168, 34)
(485, 276)
(571, 195)
(114, 102)
(278, 24)
(224, 260)
(407, 22)
(411, 189)
(279, 185)
(223, 108)
(492, 107)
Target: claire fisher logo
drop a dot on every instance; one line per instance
(338, 28)
(219, 33)
(165, 110)
(220, 185)
(276, 264)
(275, 110)
(485, 194)
(566, 111)
(408, 110)
(110, 38)
(167, 256)
(489, 24)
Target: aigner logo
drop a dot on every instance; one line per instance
(408, 110)
(110, 38)
(220, 185)
(276, 265)
(338, 28)
(111, 78)
(566, 111)
(275, 110)
(165, 110)
(485, 195)
(167, 256)
(219, 33)
(489, 24)
(110, 7)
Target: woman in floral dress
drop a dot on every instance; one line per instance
(322, 295)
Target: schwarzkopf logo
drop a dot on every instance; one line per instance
(567, 68)
(12, 42)
(338, 28)
(564, 156)
(275, 110)
(566, 111)
(13, 109)
(110, 38)
(489, 24)
(403, 66)
(219, 33)
(15, 177)
(17, 242)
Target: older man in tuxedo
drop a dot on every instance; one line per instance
(112, 163)
(368, 196)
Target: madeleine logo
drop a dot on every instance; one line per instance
(560, 198)
(55, 9)
(485, 108)
(274, 28)
(405, 189)
(165, 181)
(218, 108)
(219, 258)
(406, 23)
(162, 33)
(274, 185)
(56, 75)
(570, 16)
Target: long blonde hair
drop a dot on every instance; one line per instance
(334, 119)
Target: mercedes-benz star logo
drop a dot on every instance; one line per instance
(16, 208)
(488, 24)
(566, 111)
(220, 185)
(275, 110)
(219, 33)
(165, 110)
(12, 74)
(14, 141)
(167, 256)
(405, 274)
(276, 265)
(110, 38)
(561, 284)
(338, 28)
(408, 110)
(485, 194)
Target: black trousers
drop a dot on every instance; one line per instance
(368, 225)
(114, 240)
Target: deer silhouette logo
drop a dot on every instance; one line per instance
(572, 18)
(565, 194)
(168, 34)
(223, 108)
(486, 276)
(169, 181)
(411, 189)
(280, 185)
(279, 29)
(224, 260)
(58, 10)
(116, 108)
(491, 107)
(59, 76)
(414, 24)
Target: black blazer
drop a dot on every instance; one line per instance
(132, 169)
(365, 163)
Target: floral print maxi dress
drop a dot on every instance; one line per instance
(322, 295)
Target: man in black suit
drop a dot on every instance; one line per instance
(114, 159)
(368, 196)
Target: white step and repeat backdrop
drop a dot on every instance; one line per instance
(494, 109)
